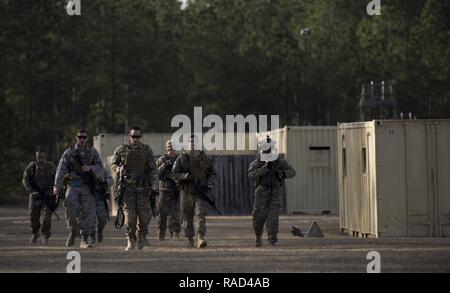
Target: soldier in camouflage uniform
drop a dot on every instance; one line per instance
(38, 181)
(81, 163)
(168, 204)
(193, 170)
(104, 182)
(268, 177)
(135, 161)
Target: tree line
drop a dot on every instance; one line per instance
(143, 61)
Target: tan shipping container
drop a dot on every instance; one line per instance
(394, 178)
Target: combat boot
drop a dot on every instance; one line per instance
(92, 238)
(141, 240)
(201, 242)
(85, 243)
(162, 235)
(131, 244)
(272, 242)
(100, 236)
(258, 242)
(34, 238)
(191, 242)
(175, 236)
(71, 239)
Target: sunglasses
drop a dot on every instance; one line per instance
(82, 137)
(135, 136)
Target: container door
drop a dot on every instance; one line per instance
(418, 175)
(433, 189)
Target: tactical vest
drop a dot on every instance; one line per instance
(270, 179)
(39, 177)
(198, 166)
(168, 171)
(135, 160)
(167, 182)
(84, 155)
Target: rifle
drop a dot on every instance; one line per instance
(120, 219)
(104, 194)
(152, 194)
(202, 189)
(87, 177)
(49, 201)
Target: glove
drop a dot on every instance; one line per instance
(169, 164)
(281, 175)
(35, 194)
(187, 177)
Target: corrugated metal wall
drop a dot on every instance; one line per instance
(233, 191)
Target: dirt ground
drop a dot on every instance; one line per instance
(230, 250)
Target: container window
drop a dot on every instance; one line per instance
(319, 148)
(319, 156)
(364, 160)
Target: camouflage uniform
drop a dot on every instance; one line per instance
(104, 181)
(140, 165)
(268, 179)
(79, 200)
(190, 171)
(38, 182)
(168, 203)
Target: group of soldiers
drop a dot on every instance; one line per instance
(182, 182)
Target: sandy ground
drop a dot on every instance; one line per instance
(230, 250)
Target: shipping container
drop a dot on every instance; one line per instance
(394, 178)
(312, 152)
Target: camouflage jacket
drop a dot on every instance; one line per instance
(166, 181)
(270, 174)
(69, 164)
(148, 176)
(35, 177)
(185, 174)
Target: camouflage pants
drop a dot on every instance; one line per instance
(193, 208)
(80, 209)
(36, 206)
(266, 210)
(136, 210)
(168, 209)
(101, 212)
